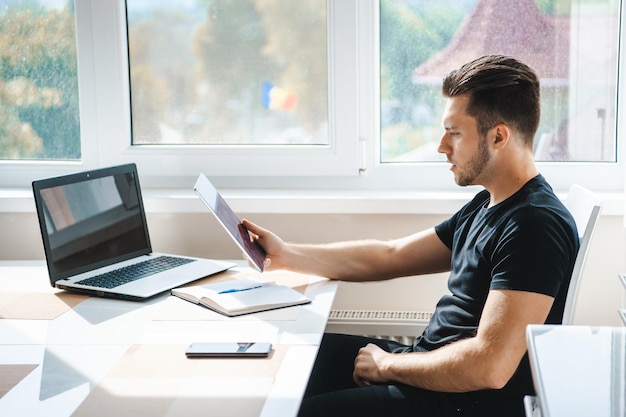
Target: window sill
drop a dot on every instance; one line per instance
(302, 202)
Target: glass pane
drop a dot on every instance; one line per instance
(38, 81)
(228, 72)
(420, 41)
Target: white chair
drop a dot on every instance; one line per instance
(585, 208)
(531, 407)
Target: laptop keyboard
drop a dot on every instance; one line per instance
(134, 272)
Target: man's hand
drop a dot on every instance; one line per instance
(369, 365)
(272, 244)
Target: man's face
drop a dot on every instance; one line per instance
(464, 148)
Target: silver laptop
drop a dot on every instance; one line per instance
(96, 240)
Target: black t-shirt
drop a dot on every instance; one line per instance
(528, 242)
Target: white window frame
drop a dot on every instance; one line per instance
(350, 162)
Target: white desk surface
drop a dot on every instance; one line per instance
(579, 371)
(66, 355)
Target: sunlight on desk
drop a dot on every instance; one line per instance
(37, 306)
(135, 386)
(65, 354)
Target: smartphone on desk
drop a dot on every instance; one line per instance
(229, 350)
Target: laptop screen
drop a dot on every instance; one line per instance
(91, 219)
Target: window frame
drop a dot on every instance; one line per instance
(350, 162)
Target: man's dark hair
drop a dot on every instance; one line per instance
(501, 90)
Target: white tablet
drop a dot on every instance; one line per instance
(229, 220)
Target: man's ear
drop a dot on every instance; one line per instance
(500, 135)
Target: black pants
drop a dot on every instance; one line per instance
(332, 391)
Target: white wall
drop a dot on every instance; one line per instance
(198, 234)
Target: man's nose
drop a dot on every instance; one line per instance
(443, 146)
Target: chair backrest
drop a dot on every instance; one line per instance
(585, 208)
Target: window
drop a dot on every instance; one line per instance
(422, 41)
(38, 81)
(247, 72)
(343, 94)
(210, 105)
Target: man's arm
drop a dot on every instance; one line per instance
(485, 361)
(361, 260)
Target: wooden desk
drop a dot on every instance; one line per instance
(578, 371)
(63, 354)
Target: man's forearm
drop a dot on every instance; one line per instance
(459, 367)
(370, 260)
(365, 260)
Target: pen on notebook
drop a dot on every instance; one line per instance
(265, 284)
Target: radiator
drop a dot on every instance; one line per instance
(400, 326)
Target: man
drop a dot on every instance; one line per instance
(510, 252)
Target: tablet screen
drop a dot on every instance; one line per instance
(229, 220)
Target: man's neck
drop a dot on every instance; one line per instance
(510, 181)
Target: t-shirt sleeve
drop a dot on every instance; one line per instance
(445, 230)
(534, 253)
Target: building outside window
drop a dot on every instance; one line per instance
(423, 40)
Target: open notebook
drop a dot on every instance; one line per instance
(241, 296)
